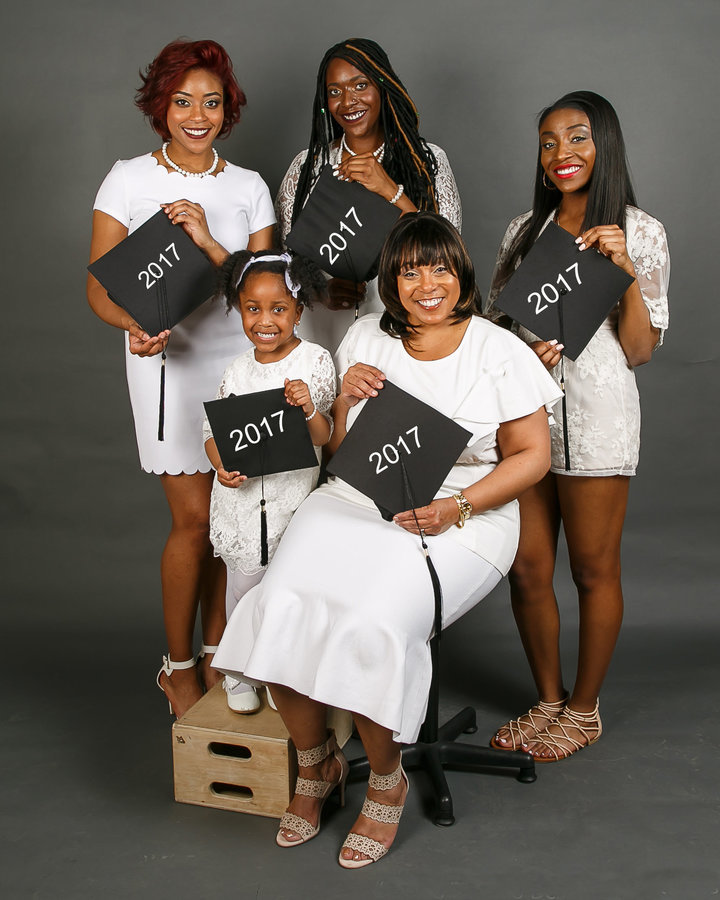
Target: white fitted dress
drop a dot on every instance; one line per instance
(237, 203)
(345, 610)
(601, 396)
(328, 326)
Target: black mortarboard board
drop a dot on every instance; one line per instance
(260, 433)
(560, 292)
(342, 227)
(394, 432)
(157, 274)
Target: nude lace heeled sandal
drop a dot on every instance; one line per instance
(378, 812)
(168, 667)
(313, 787)
(562, 744)
(529, 724)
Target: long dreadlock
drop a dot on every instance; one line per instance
(408, 159)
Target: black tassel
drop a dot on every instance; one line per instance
(263, 514)
(434, 579)
(263, 534)
(566, 439)
(164, 316)
(161, 410)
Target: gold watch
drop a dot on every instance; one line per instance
(464, 508)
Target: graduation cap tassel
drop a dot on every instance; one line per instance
(161, 410)
(263, 514)
(434, 578)
(566, 439)
(164, 313)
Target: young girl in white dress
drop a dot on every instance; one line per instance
(270, 291)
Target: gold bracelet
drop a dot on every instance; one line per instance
(464, 508)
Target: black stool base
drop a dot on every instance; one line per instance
(435, 755)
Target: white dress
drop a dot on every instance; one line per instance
(601, 396)
(328, 326)
(235, 512)
(345, 610)
(237, 203)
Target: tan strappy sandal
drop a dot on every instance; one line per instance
(560, 742)
(529, 724)
(313, 787)
(378, 812)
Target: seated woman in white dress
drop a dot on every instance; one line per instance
(345, 611)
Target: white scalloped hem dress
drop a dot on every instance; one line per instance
(601, 395)
(237, 203)
(345, 610)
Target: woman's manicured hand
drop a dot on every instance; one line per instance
(191, 216)
(435, 518)
(549, 352)
(360, 382)
(610, 241)
(367, 171)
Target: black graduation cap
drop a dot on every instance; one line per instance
(560, 292)
(260, 433)
(398, 451)
(157, 274)
(342, 227)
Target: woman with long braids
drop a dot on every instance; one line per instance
(583, 184)
(365, 125)
(191, 98)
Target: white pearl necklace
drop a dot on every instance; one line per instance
(187, 174)
(379, 154)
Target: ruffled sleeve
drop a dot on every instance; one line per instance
(514, 385)
(648, 249)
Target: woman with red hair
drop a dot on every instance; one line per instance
(191, 97)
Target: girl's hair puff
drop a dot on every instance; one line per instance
(168, 69)
(424, 239)
(303, 272)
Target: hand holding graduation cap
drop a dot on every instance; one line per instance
(191, 218)
(360, 382)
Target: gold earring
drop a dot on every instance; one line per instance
(548, 187)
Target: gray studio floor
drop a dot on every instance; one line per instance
(86, 761)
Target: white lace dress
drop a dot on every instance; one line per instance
(235, 512)
(603, 406)
(327, 326)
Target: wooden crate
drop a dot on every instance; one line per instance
(245, 763)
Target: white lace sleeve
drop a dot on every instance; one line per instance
(322, 383)
(285, 199)
(648, 249)
(446, 191)
(491, 311)
(222, 392)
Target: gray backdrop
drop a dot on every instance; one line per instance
(83, 527)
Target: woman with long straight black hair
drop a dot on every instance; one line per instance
(583, 184)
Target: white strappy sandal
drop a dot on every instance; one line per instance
(168, 667)
(378, 812)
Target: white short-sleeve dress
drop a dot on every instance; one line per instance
(345, 610)
(601, 396)
(237, 203)
(328, 326)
